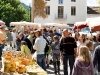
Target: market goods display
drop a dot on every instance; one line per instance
(18, 62)
(35, 69)
(21, 69)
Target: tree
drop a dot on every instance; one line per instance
(27, 8)
(38, 8)
(12, 10)
(98, 1)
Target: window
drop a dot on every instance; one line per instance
(47, 0)
(60, 1)
(60, 11)
(47, 10)
(73, 10)
(73, 0)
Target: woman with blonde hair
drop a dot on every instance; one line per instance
(83, 64)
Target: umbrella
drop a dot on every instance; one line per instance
(80, 25)
(94, 24)
(2, 23)
(15, 24)
(65, 26)
(49, 24)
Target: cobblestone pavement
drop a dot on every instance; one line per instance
(50, 70)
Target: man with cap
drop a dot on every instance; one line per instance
(2, 38)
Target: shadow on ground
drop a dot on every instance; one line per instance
(50, 70)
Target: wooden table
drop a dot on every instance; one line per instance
(15, 73)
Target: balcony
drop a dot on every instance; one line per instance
(60, 16)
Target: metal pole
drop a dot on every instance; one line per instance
(30, 11)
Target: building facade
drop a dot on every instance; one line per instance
(64, 11)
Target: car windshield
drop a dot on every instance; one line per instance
(86, 30)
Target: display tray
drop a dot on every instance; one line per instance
(35, 70)
(17, 63)
(28, 73)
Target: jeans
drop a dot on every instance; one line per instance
(1, 47)
(56, 62)
(71, 59)
(41, 61)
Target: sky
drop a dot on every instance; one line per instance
(27, 2)
(92, 3)
(89, 2)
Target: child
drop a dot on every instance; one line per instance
(24, 48)
(83, 64)
(56, 54)
(89, 44)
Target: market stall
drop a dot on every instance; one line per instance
(80, 25)
(46, 25)
(25, 25)
(17, 63)
(63, 26)
(94, 24)
(55, 25)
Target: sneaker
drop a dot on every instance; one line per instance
(55, 72)
(51, 62)
(58, 73)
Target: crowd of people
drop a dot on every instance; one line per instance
(82, 52)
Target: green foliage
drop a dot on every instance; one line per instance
(25, 6)
(27, 16)
(98, 1)
(12, 11)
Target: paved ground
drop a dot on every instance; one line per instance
(50, 70)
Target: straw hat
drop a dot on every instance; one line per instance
(2, 26)
(6, 29)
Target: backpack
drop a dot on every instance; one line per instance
(56, 45)
(47, 47)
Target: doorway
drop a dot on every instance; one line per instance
(60, 11)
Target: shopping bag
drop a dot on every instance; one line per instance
(49, 57)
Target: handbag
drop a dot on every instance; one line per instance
(46, 48)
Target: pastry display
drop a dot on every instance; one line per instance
(21, 69)
(35, 69)
(13, 67)
(7, 65)
(8, 55)
(24, 61)
(18, 62)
